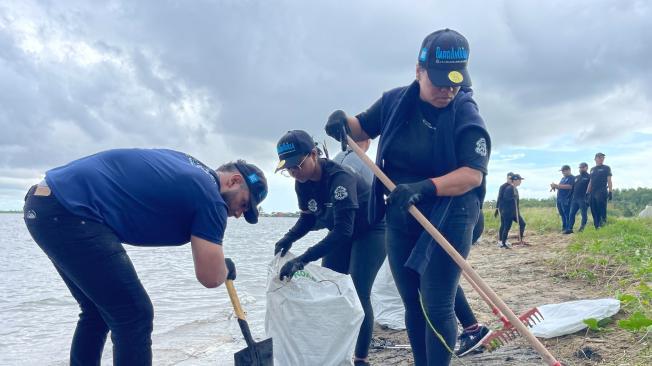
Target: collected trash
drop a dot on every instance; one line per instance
(389, 310)
(314, 318)
(568, 317)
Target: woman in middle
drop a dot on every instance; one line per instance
(334, 197)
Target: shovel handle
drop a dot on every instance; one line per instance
(235, 301)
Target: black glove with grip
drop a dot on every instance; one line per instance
(609, 196)
(291, 267)
(408, 194)
(230, 267)
(283, 246)
(337, 125)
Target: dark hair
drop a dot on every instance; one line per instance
(230, 166)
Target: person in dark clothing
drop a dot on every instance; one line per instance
(334, 197)
(564, 190)
(501, 189)
(510, 212)
(578, 198)
(599, 190)
(83, 211)
(434, 145)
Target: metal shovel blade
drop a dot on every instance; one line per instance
(256, 353)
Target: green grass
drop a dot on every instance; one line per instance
(618, 258)
(539, 220)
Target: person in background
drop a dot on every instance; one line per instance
(510, 212)
(600, 190)
(501, 189)
(83, 211)
(352, 160)
(435, 146)
(578, 198)
(564, 190)
(334, 197)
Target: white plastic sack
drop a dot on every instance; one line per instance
(567, 317)
(314, 319)
(385, 300)
(647, 212)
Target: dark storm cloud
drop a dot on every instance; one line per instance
(227, 78)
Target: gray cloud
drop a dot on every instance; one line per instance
(226, 79)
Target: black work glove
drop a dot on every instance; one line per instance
(230, 267)
(609, 196)
(291, 267)
(587, 198)
(496, 213)
(337, 126)
(283, 246)
(408, 194)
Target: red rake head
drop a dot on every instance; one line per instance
(531, 317)
(499, 338)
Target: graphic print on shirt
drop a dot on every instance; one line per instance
(340, 193)
(312, 205)
(481, 147)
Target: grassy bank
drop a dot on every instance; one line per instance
(539, 220)
(617, 259)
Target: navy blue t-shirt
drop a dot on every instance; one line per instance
(564, 194)
(599, 178)
(410, 158)
(147, 196)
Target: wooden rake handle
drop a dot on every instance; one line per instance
(461, 262)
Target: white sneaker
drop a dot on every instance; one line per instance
(500, 244)
(507, 245)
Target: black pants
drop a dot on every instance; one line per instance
(439, 283)
(362, 259)
(563, 207)
(599, 208)
(506, 219)
(577, 205)
(100, 276)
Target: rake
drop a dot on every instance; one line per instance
(456, 257)
(502, 336)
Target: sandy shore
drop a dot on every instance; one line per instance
(524, 278)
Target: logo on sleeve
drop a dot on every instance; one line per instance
(481, 147)
(312, 205)
(340, 193)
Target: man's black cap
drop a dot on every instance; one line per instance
(292, 148)
(600, 155)
(517, 177)
(257, 185)
(509, 175)
(564, 167)
(583, 164)
(444, 54)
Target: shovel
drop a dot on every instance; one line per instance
(256, 353)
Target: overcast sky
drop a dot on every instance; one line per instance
(556, 81)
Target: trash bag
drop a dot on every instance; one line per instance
(385, 300)
(567, 317)
(315, 318)
(647, 212)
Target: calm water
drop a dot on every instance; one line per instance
(192, 325)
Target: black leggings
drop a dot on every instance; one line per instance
(439, 283)
(506, 224)
(362, 259)
(95, 267)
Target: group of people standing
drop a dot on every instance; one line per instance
(588, 189)
(433, 144)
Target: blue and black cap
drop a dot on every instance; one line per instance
(292, 148)
(444, 54)
(257, 185)
(516, 177)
